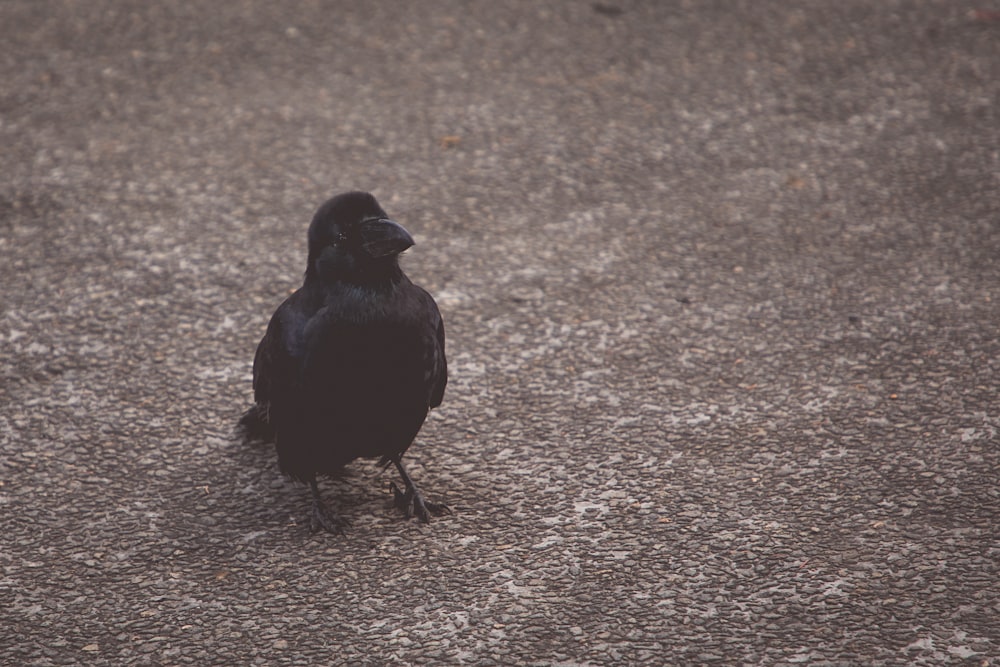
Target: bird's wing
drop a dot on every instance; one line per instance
(263, 362)
(438, 363)
(278, 356)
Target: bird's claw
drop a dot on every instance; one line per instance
(413, 503)
(322, 518)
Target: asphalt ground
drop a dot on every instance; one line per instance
(722, 289)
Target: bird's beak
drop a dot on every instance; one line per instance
(380, 238)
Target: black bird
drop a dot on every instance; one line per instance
(353, 360)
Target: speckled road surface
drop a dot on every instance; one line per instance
(722, 287)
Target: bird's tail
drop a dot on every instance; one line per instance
(255, 425)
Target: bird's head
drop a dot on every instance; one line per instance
(352, 239)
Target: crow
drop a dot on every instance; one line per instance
(353, 360)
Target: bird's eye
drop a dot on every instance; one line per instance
(339, 239)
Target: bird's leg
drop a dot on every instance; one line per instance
(321, 517)
(410, 500)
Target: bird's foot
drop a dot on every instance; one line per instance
(413, 503)
(320, 517)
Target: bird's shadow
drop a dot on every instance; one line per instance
(253, 495)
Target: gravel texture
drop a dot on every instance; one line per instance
(722, 288)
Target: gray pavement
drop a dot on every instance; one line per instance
(722, 287)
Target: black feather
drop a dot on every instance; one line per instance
(354, 359)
